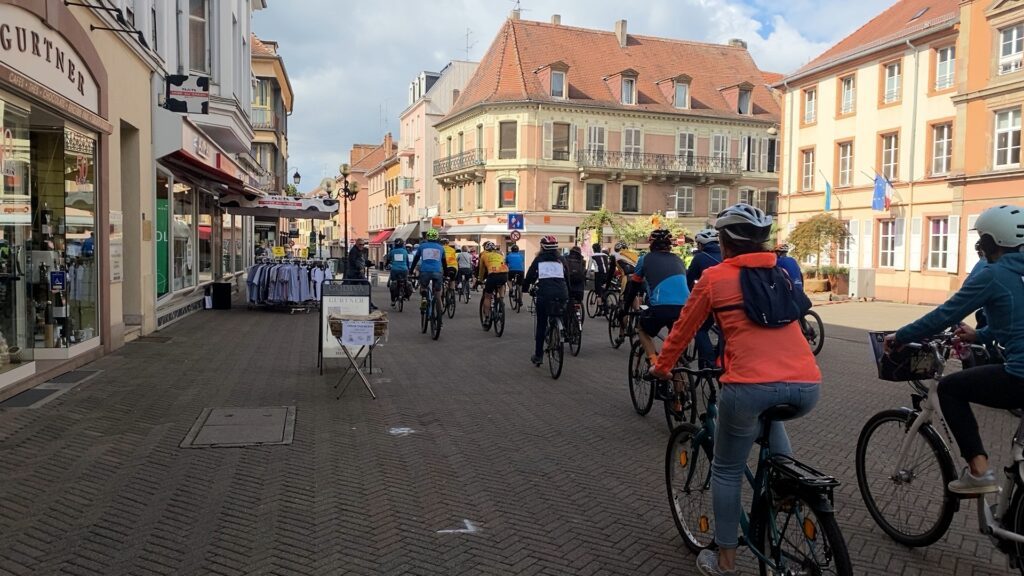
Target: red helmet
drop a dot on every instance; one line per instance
(548, 242)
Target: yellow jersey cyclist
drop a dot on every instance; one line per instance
(493, 272)
(451, 264)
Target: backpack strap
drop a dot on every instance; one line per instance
(727, 308)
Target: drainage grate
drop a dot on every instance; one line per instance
(153, 339)
(28, 398)
(233, 427)
(75, 377)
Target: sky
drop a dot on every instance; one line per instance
(351, 63)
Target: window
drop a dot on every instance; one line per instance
(750, 155)
(462, 142)
(595, 144)
(560, 196)
(595, 196)
(479, 195)
(459, 203)
(684, 200)
(686, 148)
(744, 102)
(558, 84)
(560, 141)
(942, 148)
(890, 156)
(682, 95)
(945, 65)
(1007, 138)
(447, 199)
(938, 243)
(810, 106)
(887, 244)
(129, 10)
(746, 196)
(198, 36)
(507, 143)
(154, 38)
(843, 250)
(807, 183)
(719, 151)
(631, 147)
(1011, 48)
(479, 140)
(892, 83)
(847, 93)
(846, 164)
(718, 200)
(506, 194)
(630, 198)
(449, 146)
(772, 152)
(629, 90)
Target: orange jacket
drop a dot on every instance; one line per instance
(753, 354)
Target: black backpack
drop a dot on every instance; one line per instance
(769, 298)
(577, 271)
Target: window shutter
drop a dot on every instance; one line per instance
(764, 155)
(915, 244)
(854, 227)
(744, 155)
(953, 246)
(549, 129)
(869, 235)
(972, 238)
(572, 141)
(900, 244)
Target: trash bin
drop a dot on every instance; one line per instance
(221, 295)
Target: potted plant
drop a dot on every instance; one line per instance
(839, 280)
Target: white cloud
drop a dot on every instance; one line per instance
(350, 68)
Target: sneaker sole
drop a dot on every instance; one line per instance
(971, 492)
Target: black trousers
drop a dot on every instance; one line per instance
(988, 385)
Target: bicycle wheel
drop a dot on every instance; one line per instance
(592, 302)
(814, 330)
(575, 332)
(515, 298)
(449, 302)
(425, 317)
(800, 540)
(611, 305)
(613, 331)
(556, 350)
(672, 418)
(401, 299)
(435, 322)
(631, 329)
(1013, 520)
(688, 480)
(498, 316)
(641, 392)
(908, 500)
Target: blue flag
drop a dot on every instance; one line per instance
(878, 198)
(828, 195)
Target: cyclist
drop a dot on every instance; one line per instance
(710, 254)
(516, 261)
(465, 260)
(625, 259)
(600, 263)
(998, 289)
(493, 272)
(451, 264)
(398, 259)
(665, 278)
(790, 265)
(755, 376)
(549, 272)
(577, 274)
(430, 256)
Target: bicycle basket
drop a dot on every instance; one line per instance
(901, 365)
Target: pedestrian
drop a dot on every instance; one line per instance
(355, 264)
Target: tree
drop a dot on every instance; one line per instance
(815, 235)
(597, 221)
(291, 190)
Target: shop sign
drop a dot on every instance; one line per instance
(40, 53)
(188, 94)
(116, 247)
(57, 281)
(201, 147)
(15, 210)
(277, 251)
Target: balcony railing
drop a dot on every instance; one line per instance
(468, 159)
(657, 162)
(263, 119)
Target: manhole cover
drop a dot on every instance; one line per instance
(28, 398)
(76, 377)
(232, 427)
(153, 339)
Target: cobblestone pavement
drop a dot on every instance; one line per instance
(502, 471)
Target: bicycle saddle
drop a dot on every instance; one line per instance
(779, 413)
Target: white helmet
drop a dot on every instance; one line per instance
(744, 222)
(706, 236)
(1005, 224)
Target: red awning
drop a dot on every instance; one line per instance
(381, 237)
(203, 172)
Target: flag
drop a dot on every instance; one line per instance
(828, 195)
(878, 201)
(888, 194)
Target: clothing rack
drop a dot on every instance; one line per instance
(291, 284)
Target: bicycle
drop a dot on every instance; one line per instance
(464, 289)
(399, 304)
(790, 527)
(630, 328)
(515, 297)
(574, 327)
(450, 298)
(596, 305)
(431, 315)
(555, 334)
(497, 315)
(814, 330)
(919, 462)
(693, 394)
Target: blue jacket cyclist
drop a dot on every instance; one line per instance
(790, 265)
(709, 256)
(430, 257)
(516, 262)
(663, 275)
(999, 290)
(398, 261)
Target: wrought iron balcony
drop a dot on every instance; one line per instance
(468, 159)
(663, 163)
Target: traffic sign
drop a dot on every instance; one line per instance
(515, 235)
(516, 221)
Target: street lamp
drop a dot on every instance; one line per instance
(296, 178)
(349, 191)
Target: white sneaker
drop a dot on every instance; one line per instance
(970, 485)
(707, 564)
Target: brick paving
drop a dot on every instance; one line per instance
(554, 477)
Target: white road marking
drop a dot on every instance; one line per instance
(400, 431)
(470, 528)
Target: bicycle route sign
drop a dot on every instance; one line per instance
(515, 235)
(516, 221)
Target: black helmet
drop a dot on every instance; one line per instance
(596, 247)
(660, 238)
(514, 248)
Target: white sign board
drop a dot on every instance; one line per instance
(357, 333)
(188, 94)
(116, 247)
(342, 300)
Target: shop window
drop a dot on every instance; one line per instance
(163, 218)
(207, 229)
(16, 304)
(183, 245)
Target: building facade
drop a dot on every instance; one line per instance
(559, 122)
(880, 103)
(272, 101)
(384, 201)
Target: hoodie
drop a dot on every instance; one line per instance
(999, 289)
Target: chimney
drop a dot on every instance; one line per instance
(620, 32)
(556, 19)
(455, 95)
(388, 145)
(738, 43)
(514, 15)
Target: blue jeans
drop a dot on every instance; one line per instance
(738, 429)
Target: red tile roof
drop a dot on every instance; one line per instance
(260, 49)
(507, 72)
(894, 24)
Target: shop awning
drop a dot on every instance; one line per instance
(217, 180)
(381, 237)
(279, 206)
(406, 231)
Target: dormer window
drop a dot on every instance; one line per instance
(682, 95)
(744, 100)
(629, 90)
(557, 84)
